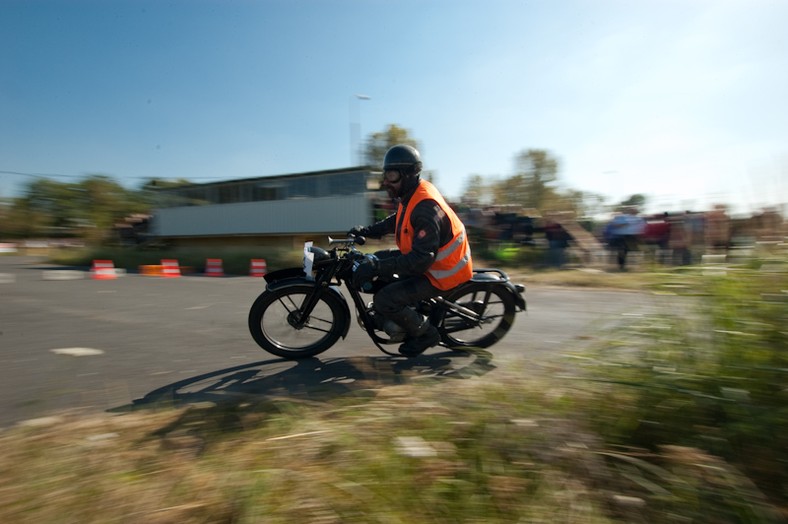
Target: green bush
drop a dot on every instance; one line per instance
(511, 255)
(711, 377)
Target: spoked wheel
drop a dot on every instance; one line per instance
(274, 322)
(494, 304)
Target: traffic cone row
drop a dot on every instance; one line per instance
(169, 268)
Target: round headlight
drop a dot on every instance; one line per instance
(320, 254)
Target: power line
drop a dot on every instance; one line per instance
(60, 175)
(37, 175)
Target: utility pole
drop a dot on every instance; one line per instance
(354, 110)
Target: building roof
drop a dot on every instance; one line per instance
(269, 178)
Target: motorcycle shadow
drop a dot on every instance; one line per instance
(313, 380)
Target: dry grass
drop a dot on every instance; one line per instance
(518, 450)
(455, 453)
(523, 447)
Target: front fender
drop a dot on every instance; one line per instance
(286, 280)
(284, 274)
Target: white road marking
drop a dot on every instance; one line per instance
(78, 352)
(62, 274)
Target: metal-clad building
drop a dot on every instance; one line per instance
(275, 209)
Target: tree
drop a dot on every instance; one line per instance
(476, 191)
(536, 169)
(88, 208)
(104, 203)
(378, 143)
(20, 221)
(529, 186)
(509, 190)
(586, 203)
(636, 200)
(51, 206)
(580, 203)
(154, 184)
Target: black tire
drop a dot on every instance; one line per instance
(493, 301)
(269, 326)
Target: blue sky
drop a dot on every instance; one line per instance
(684, 101)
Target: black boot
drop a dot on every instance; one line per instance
(421, 334)
(415, 346)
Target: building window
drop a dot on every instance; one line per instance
(275, 188)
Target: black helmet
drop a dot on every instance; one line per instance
(402, 158)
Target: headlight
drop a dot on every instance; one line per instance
(319, 253)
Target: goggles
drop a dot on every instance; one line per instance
(392, 177)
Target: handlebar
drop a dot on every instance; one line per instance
(350, 241)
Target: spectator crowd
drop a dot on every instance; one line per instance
(679, 238)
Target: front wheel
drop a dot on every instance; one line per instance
(274, 316)
(493, 303)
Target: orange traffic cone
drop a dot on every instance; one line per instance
(258, 268)
(213, 267)
(103, 270)
(170, 269)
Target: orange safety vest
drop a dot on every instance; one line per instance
(452, 265)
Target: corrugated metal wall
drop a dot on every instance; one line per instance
(279, 217)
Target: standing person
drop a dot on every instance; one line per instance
(677, 240)
(623, 234)
(718, 229)
(433, 254)
(557, 242)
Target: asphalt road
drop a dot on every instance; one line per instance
(100, 345)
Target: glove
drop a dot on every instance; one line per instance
(358, 231)
(364, 271)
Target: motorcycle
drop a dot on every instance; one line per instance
(303, 312)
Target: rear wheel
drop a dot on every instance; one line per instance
(493, 303)
(274, 318)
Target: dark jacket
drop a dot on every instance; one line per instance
(427, 217)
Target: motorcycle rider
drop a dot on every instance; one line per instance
(433, 254)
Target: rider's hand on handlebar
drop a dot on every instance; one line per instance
(358, 232)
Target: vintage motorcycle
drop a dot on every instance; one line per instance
(302, 311)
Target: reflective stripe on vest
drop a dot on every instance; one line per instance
(450, 248)
(452, 265)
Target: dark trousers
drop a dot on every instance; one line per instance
(395, 297)
(622, 245)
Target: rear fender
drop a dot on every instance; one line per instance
(496, 277)
(287, 279)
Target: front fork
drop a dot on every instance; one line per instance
(299, 317)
